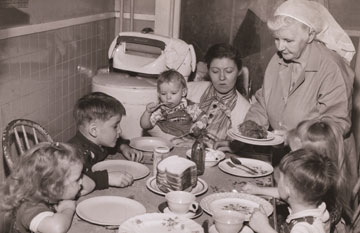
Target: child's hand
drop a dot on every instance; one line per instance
(259, 222)
(120, 179)
(131, 153)
(151, 107)
(251, 188)
(88, 185)
(65, 204)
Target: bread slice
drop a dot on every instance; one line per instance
(176, 173)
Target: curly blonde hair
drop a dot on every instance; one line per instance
(39, 175)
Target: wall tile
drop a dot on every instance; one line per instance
(39, 79)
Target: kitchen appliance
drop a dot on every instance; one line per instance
(150, 54)
(138, 59)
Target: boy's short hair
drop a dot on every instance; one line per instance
(170, 76)
(97, 106)
(313, 176)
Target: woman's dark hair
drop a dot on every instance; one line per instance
(223, 50)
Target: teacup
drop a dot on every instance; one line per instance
(228, 221)
(181, 202)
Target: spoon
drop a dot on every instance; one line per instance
(238, 162)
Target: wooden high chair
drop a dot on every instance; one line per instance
(19, 136)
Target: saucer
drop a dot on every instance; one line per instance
(245, 229)
(163, 208)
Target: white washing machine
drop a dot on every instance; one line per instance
(147, 54)
(133, 92)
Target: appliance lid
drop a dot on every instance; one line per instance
(123, 80)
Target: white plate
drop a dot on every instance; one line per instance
(108, 210)
(210, 162)
(270, 136)
(206, 201)
(277, 139)
(245, 229)
(137, 170)
(160, 223)
(200, 188)
(149, 143)
(262, 167)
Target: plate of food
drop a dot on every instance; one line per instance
(212, 157)
(149, 143)
(252, 131)
(271, 139)
(200, 188)
(160, 223)
(137, 170)
(262, 168)
(108, 210)
(243, 202)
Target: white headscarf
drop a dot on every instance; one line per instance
(317, 17)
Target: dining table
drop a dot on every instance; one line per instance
(217, 182)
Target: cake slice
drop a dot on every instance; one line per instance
(176, 173)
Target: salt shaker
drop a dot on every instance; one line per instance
(159, 153)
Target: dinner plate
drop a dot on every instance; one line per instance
(245, 229)
(160, 223)
(232, 196)
(276, 140)
(270, 136)
(137, 170)
(149, 143)
(108, 210)
(262, 167)
(200, 188)
(163, 208)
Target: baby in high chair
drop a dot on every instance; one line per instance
(173, 114)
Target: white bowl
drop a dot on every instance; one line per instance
(212, 157)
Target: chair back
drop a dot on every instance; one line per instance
(19, 136)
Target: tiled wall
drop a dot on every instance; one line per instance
(39, 79)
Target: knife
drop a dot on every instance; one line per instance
(205, 225)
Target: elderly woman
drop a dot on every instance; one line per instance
(219, 100)
(309, 76)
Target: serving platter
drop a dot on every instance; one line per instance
(160, 223)
(275, 139)
(200, 188)
(270, 136)
(262, 167)
(108, 210)
(137, 170)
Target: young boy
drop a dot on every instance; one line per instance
(174, 114)
(306, 179)
(98, 117)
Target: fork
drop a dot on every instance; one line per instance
(230, 164)
(239, 163)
